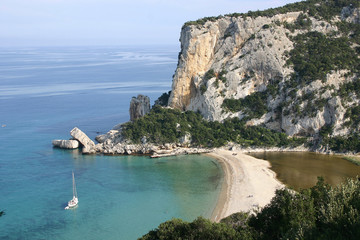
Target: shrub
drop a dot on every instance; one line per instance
(163, 99)
(203, 88)
(161, 126)
(254, 105)
(198, 229)
(315, 55)
(321, 212)
(209, 74)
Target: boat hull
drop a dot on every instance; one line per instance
(72, 203)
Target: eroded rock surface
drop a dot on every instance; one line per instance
(139, 106)
(245, 55)
(85, 141)
(66, 144)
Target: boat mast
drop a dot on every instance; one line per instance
(74, 186)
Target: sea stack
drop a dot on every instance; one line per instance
(139, 106)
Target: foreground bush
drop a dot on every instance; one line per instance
(321, 212)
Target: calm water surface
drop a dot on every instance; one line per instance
(301, 169)
(44, 93)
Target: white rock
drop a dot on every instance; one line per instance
(139, 106)
(82, 138)
(186, 139)
(67, 144)
(253, 57)
(88, 150)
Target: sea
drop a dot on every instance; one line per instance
(44, 93)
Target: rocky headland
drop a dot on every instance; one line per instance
(226, 60)
(292, 70)
(112, 143)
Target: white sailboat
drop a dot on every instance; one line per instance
(74, 201)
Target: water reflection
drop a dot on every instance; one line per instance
(300, 170)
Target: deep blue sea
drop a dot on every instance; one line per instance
(44, 93)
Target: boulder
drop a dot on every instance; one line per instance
(185, 140)
(88, 144)
(67, 144)
(139, 106)
(88, 150)
(112, 134)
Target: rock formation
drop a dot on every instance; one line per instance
(86, 142)
(139, 106)
(67, 144)
(233, 57)
(293, 69)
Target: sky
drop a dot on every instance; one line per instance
(109, 22)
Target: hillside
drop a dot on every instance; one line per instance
(293, 69)
(283, 78)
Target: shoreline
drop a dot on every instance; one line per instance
(248, 183)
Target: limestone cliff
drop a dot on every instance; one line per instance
(236, 58)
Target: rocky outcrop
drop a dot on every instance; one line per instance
(179, 151)
(66, 144)
(114, 143)
(234, 57)
(85, 141)
(233, 45)
(112, 147)
(351, 14)
(139, 106)
(185, 140)
(125, 148)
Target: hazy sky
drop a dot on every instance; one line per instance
(109, 22)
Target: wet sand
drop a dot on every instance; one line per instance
(248, 183)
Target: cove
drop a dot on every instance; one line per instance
(300, 170)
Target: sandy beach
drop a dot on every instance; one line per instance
(248, 183)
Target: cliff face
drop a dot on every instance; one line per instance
(232, 58)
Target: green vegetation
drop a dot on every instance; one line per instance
(346, 89)
(203, 88)
(202, 21)
(351, 30)
(347, 143)
(253, 105)
(163, 99)
(343, 143)
(321, 212)
(164, 125)
(302, 22)
(315, 55)
(322, 10)
(209, 74)
(220, 76)
(353, 159)
(353, 114)
(198, 229)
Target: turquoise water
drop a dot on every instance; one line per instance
(44, 93)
